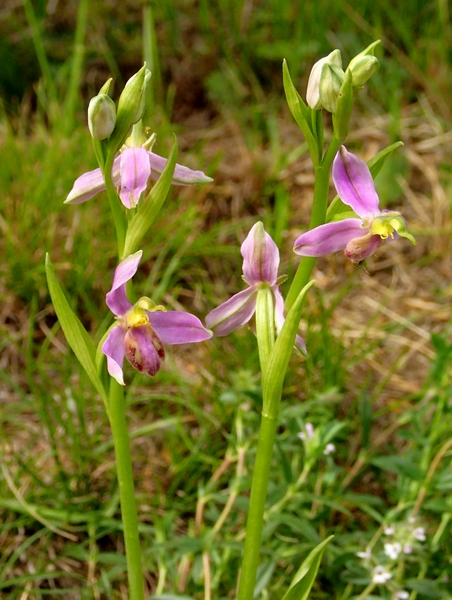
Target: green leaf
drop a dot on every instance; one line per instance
(76, 335)
(376, 163)
(150, 207)
(301, 113)
(399, 464)
(273, 377)
(306, 574)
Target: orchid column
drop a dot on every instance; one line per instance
(127, 169)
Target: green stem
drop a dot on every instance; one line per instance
(265, 329)
(258, 496)
(151, 58)
(115, 206)
(76, 66)
(38, 42)
(318, 217)
(117, 416)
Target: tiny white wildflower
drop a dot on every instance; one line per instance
(367, 555)
(419, 534)
(380, 575)
(408, 548)
(329, 449)
(393, 550)
(389, 529)
(401, 595)
(308, 433)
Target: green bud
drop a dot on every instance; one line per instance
(101, 116)
(364, 65)
(325, 81)
(131, 106)
(362, 68)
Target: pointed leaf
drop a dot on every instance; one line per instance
(376, 163)
(301, 113)
(75, 333)
(306, 574)
(273, 377)
(150, 207)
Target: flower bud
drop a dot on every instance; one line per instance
(362, 68)
(364, 65)
(132, 101)
(325, 82)
(101, 116)
(131, 106)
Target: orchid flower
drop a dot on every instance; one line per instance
(359, 237)
(143, 328)
(133, 169)
(260, 269)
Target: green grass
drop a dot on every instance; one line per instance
(366, 387)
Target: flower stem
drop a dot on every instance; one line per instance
(115, 206)
(318, 217)
(258, 496)
(265, 328)
(117, 416)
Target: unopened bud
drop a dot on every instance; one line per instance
(101, 116)
(131, 106)
(364, 65)
(325, 82)
(362, 68)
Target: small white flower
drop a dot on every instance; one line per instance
(401, 595)
(408, 549)
(367, 555)
(393, 550)
(389, 529)
(308, 434)
(419, 534)
(329, 449)
(381, 575)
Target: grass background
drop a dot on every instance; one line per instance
(377, 381)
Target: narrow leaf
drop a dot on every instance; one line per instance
(273, 377)
(150, 207)
(76, 335)
(306, 574)
(376, 163)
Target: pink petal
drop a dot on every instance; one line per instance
(354, 184)
(176, 327)
(182, 175)
(328, 238)
(113, 348)
(89, 184)
(135, 170)
(260, 256)
(233, 313)
(116, 298)
(144, 350)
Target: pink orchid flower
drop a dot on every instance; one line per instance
(132, 171)
(142, 329)
(260, 268)
(359, 237)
